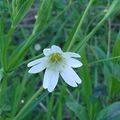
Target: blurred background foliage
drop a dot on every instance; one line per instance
(97, 97)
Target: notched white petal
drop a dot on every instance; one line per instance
(71, 54)
(37, 61)
(46, 79)
(69, 77)
(47, 51)
(50, 79)
(37, 68)
(55, 48)
(74, 63)
(74, 75)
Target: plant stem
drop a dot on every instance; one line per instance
(4, 51)
(83, 43)
(109, 33)
(10, 34)
(79, 25)
(103, 60)
(3, 88)
(28, 103)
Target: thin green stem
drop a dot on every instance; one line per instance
(27, 61)
(3, 86)
(109, 34)
(10, 34)
(28, 103)
(4, 50)
(79, 25)
(83, 43)
(3, 57)
(111, 11)
(18, 98)
(104, 60)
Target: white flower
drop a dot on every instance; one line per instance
(56, 62)
(22, 101)
(37, 47)
(36, 16)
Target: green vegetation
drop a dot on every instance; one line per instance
(87, 27)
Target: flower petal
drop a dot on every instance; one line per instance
(71, 54)
(50, 79)
(47, 51)
(75, 76)
(37, 68)
(74, 63)
(70, 77)
(34, 62)
(55, 49)
(46, 79)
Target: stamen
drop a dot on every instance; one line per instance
(55, 57)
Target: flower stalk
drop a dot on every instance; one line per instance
(68, 46)
(28, 103)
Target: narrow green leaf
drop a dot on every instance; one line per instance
(42, 15)
(72, 37)
(33, 105)
(116, 48)
(40, 23)
(86, 83)
(111, 112)
(78, 109)
(21, 12)
(13, 7)
(114, 86)
(1, 74)
(114, 8)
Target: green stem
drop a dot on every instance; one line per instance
(109, 34)
(3, 58)
(19, 56)
(28, 103)
(83, 43)
(17, 98)
(25, 62)
(111, 12)
(3, 89)
(79, 25)
(104, 60)
(4, 50)
(10, 34)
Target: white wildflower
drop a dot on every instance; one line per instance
(22, 101)
(56, 62)
(36, 16)
(37, 47)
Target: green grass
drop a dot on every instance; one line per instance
(88, 27)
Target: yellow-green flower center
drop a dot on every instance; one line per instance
(55, 57)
